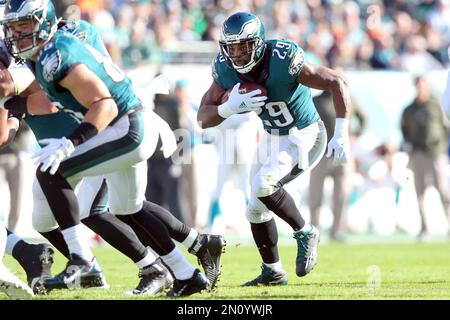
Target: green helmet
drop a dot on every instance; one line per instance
(43, 24)
(243, 28)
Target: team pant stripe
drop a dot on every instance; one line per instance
(107, 151)
(315, 154)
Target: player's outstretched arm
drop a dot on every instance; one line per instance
(93, 94)
(207, 115)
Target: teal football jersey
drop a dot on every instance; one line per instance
(56, 125)
(288, 103)
(66, 50)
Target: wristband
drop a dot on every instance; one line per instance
(83, 132)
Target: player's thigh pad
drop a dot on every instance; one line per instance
(132, 139)
(280, 165)
(281, 158)
(86, 191)
(127, 189)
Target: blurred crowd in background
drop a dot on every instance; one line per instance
(408, 35)
(391, 35)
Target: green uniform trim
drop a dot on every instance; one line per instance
(107, 151)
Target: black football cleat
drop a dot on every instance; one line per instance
(209, 248)
(155, 278)
(307, 244)
(78, 273)
(195, 284)
(268, 277)
(37, 262)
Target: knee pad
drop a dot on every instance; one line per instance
(263, 186)
(258, 213)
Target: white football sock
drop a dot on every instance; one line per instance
(276, 266)
(77, 242)
(180, 267)
(146, 261)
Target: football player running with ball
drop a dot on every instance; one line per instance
(295, 138)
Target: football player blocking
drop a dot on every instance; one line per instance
(207, 248)
(48, 37)
(295, 137)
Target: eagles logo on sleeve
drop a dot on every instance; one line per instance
(296, 62)
(50, 65)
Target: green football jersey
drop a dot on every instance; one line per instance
(288, 103)
(55, 125)
(63, 123)
(64, 51)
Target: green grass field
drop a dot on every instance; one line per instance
(344, 271)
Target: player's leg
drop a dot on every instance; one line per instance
(264, 231)
(35, 259)
(9, 283)
(154, 277)
(208, 248)
(282, 167)
(15, 178)
(115, 232)
(123, 162)
(64, 206)
(44, 222)
(88, 272)
(128, 197)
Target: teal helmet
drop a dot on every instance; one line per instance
(243, 29)
(43, 24)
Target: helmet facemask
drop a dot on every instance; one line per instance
(236, 51)
(242, 41)
(25, 33)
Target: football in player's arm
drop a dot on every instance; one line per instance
(290, 120)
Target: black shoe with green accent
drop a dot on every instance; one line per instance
(307, 243)
(268, 277)
(195, 284)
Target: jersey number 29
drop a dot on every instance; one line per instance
(279, 114)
